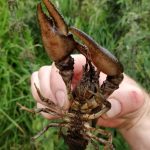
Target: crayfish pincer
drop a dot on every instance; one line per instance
(88, 100)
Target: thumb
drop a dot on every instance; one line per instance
(125, 100)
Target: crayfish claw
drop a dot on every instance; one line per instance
(56, 40)
(101, 57)
(57, 17)
(45, 21)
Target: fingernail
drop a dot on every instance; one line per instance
(115, 108)
(60, 96)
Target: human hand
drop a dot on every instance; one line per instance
(130, 104)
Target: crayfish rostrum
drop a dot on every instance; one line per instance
(88, 100)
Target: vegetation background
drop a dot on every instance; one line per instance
(122, 26)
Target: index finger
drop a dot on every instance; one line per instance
(79, 62)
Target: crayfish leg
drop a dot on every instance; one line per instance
(111, 84)
(46, 128)
(107, 144)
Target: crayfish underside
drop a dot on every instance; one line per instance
(88, 100)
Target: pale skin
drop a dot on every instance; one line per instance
(130, 111)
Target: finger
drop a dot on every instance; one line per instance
(44, 82)
(102, 78)
(35, 80)
(46, 115)
(79, 62)
(111, 123)
(58, 88)
(131, 98)
(125, 100)
(124, 103)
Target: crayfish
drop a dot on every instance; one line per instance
(88, 100)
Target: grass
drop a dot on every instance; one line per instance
(121, 26)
